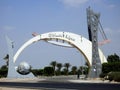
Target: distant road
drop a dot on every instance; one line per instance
(56, 85)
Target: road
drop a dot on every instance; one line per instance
(60, 85)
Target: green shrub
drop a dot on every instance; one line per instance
(117, 77)
(48, 71)
(102, 75)
(110, 76)
(114, 76)
(3, 72)
(37, 72)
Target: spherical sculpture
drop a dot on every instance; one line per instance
(24, 68)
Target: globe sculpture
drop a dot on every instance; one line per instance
(24, 68)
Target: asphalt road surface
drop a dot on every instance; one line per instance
(60, 85)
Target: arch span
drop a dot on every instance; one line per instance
(74, 40)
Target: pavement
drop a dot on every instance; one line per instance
(8, 88)
(71, 79)
(56, 78)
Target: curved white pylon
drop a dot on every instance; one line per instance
(34, 39)
(77, 41)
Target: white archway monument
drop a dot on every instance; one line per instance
(73, 40)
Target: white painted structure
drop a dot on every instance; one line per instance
(68, 40)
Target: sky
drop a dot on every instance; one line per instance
(20, 18)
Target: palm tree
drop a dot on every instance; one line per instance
(67, 65)
(74, 70)
(59, 66)
(86, 64)
(82, 69)
(87, 68)
(53, 64)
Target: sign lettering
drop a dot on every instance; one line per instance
(66, 36)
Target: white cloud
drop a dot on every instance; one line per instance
(109, 30)
(8, 28)
(73, 3)
(111, 6)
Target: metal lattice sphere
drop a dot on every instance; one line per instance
(24, 68)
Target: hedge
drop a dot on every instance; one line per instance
(114, 76)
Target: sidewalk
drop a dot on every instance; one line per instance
(21, 79)
(72, 79)
(93, 81)
(9, 88)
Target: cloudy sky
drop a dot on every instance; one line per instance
(20, 18)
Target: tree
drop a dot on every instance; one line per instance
(59, 66)
(64, 71)
(74, 70)
(110, 67)
(113, 65)
(86, 64)
(86, 68)
(4, 67)
(67, 65)
(113, 58)
(53, 64)
(3, 71)
(48, 71)
(81, 69)
(37, 72)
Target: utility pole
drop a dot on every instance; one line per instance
(93, 22)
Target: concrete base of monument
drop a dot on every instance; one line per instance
(17, 75)
(12, 73)
(30, 75)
